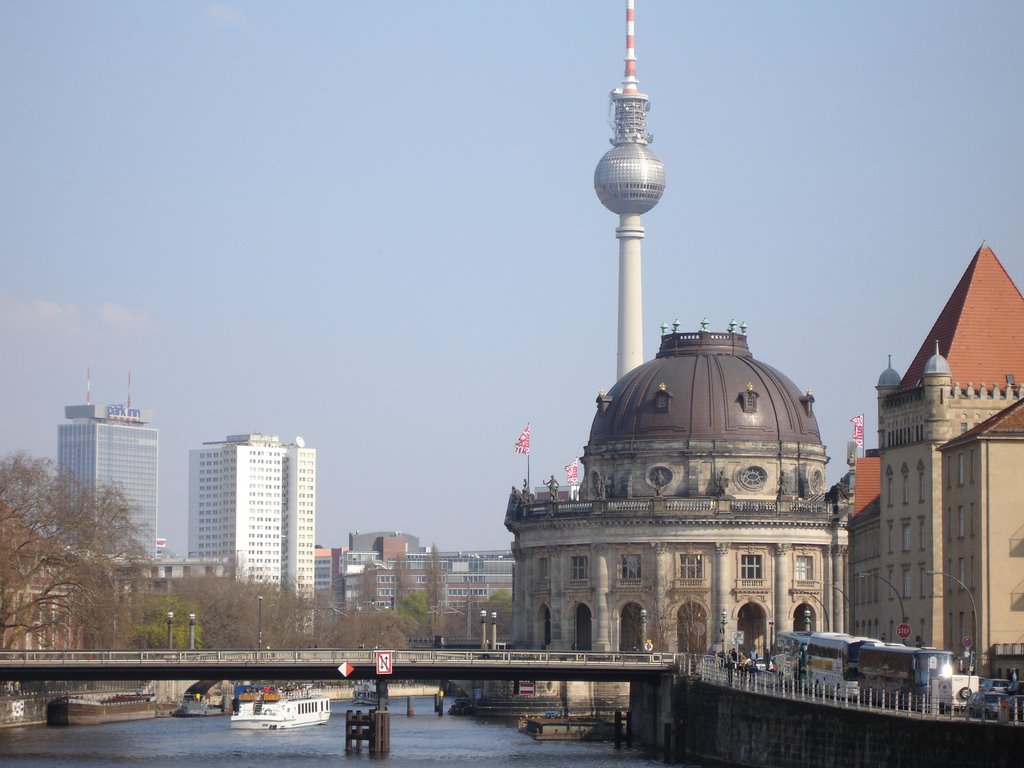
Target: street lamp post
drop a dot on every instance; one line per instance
(722, 631)
(974, 611)
(191, 631)
(643, 628)
(259, 622)
(771, 637)
(170, 629)
(483, 628)
(494, 629)
(807, 619)
(903, 612)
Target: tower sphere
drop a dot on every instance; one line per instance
(630, 178)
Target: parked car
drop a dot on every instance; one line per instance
(993, 684)
(985, 704)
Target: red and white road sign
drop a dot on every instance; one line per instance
(903, 631)
(385, 662)
(968, 641)
(526, 687)
(346, 669)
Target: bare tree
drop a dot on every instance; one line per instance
(69, 557)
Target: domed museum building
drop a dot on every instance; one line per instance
(702, 518)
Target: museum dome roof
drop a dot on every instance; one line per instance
(704, 385)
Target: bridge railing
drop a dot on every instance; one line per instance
(335, 656)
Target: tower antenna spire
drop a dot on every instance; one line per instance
(129, 389)
(88, 385)
(630, 83)
(629, 180)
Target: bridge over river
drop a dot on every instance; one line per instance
(327, 664)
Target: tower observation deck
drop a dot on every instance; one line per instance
(629, 180)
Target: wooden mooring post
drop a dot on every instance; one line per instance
(373, 727)
(623, 728)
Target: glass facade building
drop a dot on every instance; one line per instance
(111, 444)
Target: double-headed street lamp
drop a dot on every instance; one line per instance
(725, 616)
(903, 612)
(974, 611)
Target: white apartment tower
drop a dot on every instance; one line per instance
(253, 498)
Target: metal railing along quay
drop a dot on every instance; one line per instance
(711, 670)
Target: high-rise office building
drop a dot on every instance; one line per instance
(111, 444)
(253, 498)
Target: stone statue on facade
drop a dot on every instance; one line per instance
(552, 485)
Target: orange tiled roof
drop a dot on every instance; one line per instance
(869, 482)
(980, 330)
(1009, 421)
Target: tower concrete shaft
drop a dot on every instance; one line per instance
(630, 348)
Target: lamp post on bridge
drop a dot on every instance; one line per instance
(191, 631)
(643, 628)
(170, 629)
(483, 628)
(259, 622)
(722, 631)
(494, 629)
(807, 619)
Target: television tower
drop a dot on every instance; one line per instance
(629, 181)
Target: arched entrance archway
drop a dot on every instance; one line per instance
(582, 640)
(692, 629)
(630, 628)
(805, 618)
(542, 628)
(753, 623)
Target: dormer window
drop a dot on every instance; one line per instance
(662, 399)
(604, 402)
(749, 399)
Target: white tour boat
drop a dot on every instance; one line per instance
(269, 709)
(365, 694)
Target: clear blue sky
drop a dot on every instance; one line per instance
(373, 224)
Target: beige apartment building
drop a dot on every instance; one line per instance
(983, 545)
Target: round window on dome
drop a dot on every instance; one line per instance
(753, 477)
(659, 476)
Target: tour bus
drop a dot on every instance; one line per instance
(901, 671)
(791, 655)
(833, 660)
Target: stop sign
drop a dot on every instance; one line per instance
(903, 631)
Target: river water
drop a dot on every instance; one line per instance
(421, 741)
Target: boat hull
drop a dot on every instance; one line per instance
(72, 711)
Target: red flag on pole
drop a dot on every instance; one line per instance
(572, 470)
(858, 430)
(523, 443)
